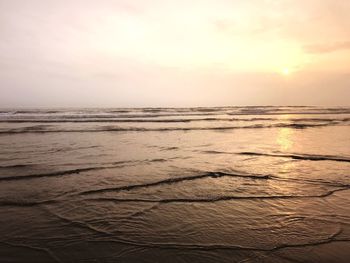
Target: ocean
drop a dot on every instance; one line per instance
(216, 184)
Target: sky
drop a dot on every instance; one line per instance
(162, 53)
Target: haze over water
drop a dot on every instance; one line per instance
(225, 184)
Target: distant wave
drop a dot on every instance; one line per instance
(107, 115)
(145, 120)
(35, 111)
(107, 120)
(49, 129)
(158, 112)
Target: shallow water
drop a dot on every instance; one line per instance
(232, 184)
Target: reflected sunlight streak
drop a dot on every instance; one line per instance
(284, 139)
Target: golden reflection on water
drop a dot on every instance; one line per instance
(285, 139)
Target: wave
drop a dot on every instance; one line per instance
(26, 203)
(310, 157)
(321, 119)
(78, 170)
(46, 251)
(214, 199)
(16, 166)
(180, 246)
(110, 237)
(52, 174)
(119, 111)
(175, 180)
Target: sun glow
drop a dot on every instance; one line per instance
(229, 45)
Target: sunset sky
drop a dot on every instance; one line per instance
(122, 53)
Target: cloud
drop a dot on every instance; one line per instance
(156, 52)
(327, 47)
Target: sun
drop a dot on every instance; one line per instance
(285, 71)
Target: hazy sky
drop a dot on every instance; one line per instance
(120, 53)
